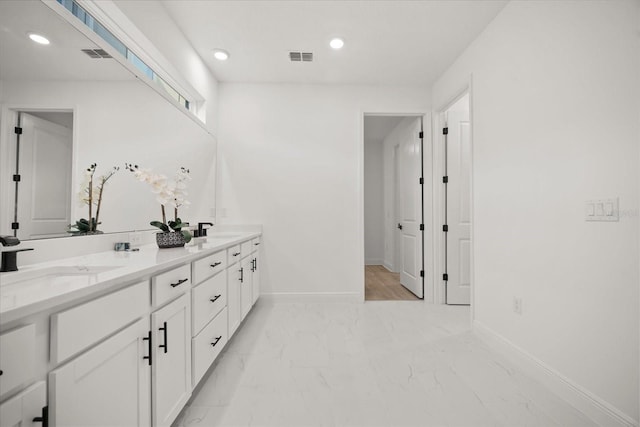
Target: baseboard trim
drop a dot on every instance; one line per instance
(592, 406)
(311, 297)
(388, 267)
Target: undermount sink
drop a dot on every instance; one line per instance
(53, 275)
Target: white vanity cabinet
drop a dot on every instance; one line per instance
(246, 285)
(171, 363)
(28, 408)
(107, 385)
(17, 348)
(234, 280)
(255, 268)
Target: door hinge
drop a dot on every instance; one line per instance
(421, 227)
(421, 181)
(445, 228)
(421, 135)
(16, 178)
(15, 226)
(445, 131)
(17, 130)
(445, 277)
(445, 179)
(421, 273)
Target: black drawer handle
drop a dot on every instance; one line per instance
(148, 338)
(44, 419)
(256, 244)
(179, 282)
(242, 275)
(166, 344)
(236, 253)
(214, 299)
(213, 344)
(215, 264)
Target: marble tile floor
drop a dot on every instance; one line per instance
(387, 363)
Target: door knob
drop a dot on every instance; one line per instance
(399, 226)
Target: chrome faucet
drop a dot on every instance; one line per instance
(10, 258)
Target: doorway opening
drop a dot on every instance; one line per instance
(456, 199)
(393, 207)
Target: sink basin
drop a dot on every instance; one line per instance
(53, 274)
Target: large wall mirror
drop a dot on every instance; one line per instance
(75, 108)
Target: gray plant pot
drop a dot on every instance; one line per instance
(170, 240)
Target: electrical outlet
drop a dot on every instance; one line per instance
(135, 239)
(517, 305)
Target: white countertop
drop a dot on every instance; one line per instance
(29, 291)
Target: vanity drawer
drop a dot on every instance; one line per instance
(208, 299)
(17, 356)
(79, 327)
(255, 244)
(233, 254)
(206, 346)
(208, 266)
(245, 248)
(167, 286)
(20, 410)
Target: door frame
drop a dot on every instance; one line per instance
(428, 244)
(440, 291)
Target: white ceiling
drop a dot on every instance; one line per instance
(387, 42)
(22, 59)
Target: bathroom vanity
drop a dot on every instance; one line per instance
(120, 338)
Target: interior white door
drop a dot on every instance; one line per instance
(44, 195)
(459, 208)
(410, 172)
(105, 386)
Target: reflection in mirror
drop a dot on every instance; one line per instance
(112, 119)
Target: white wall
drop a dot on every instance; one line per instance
(373, 203)
(555, 105)
(291, 159)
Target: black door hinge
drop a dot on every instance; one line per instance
(421, 134)
(421, 273)
(15, 225)
(445, 228)
(421, 227)
(445, 179)
(421, 181)
(445, 131)
(16, 178)
(445, 277)
(17, 130)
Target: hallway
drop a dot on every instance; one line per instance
(381, 284)
(373, 364)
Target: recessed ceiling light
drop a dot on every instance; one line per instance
(336, 43)
(220, 54)
(38, 38)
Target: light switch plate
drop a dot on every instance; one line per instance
(606, 210)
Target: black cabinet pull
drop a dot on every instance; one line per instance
(148, 338)
(215, 264)
(1, 372)
(179, 282)
(44, 419)
(214, 299)
(236, 253)
(166, 344)
(256, 244)
(213, 344)
(241, 275)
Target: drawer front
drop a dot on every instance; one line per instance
(233, 254)
(246, 248)
(208, 299)
(208, 266)
(167, 286)
(17, 353)
(206, 346)
(79, 327)
(20, 410)
(255, 244)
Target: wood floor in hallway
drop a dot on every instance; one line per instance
(381, 284)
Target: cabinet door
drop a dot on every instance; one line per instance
(233, 297)
(107, 385)
(26, 409)
(255, 277)
(171, 381)
(246, 290)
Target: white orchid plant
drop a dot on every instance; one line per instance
(172, 193)
(91, 194)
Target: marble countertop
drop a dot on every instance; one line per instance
(39, 287)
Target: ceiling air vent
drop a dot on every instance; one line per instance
(301, 56)
(97, 53)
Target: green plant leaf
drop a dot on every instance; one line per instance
(160, 225)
